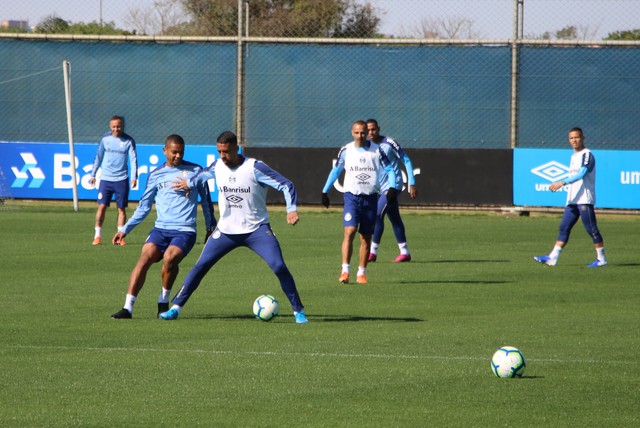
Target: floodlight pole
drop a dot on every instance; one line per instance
(240, 79)
(518, 23)
(66, 66)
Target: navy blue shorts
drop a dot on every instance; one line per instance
(162, 238)
(108, 189)
(360, 210)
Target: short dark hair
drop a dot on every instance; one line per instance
(116, 117)
(174, 139)
(227, 137)
(375, 122)
(576, 129)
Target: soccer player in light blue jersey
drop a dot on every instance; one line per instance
(397, 157)
(363, 165)
(114, 150)
(244, 221)
(581, 197)
(174, 232)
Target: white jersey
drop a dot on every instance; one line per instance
(362, 166)
(242, 193)
(582, 191)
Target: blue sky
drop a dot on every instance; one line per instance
(491, 18)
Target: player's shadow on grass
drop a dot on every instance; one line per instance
(469, 261)
(313, 318)
(455, 281)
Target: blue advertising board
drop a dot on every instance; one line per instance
(43, 170)
(617, 177)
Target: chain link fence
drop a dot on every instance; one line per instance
(435, 73)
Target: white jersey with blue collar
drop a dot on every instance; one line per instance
(242, 193)
(363, 168)
(176, 209)
(581, 183)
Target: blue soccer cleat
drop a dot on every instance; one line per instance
(171, 314)
(545, 260)
(301, 317)
(597, 263)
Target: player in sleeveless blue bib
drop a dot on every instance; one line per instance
(174, 232)
(244, 221)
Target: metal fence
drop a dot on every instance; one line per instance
(435, 73)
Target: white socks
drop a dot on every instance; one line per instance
(555, 253)
(164, 295)
(98, 233)
(374, 248)
(601, 257)
(361, 270)
(128, 302)
(345, 268)
(404, 249)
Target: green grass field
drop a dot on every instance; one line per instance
(409, 349)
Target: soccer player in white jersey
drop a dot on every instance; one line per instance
(363, 165)
(581, 197)
(174, 232)
(244, 221)
(114, 149)
(397, 157)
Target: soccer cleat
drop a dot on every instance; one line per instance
(122, 314)
(96, 241)
(171, 314)
(361, 279)
(545, 260)
(122, 242)
(344, 278)
(597, 263)
(402, 258)
(372, 257)
(301, 317)
(162, 307)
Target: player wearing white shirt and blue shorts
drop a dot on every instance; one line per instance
(114, 150)
(363, 164)
(174, 233)
(244, 221)
(581, 198)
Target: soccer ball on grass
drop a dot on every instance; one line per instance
(266, 307)
(508, 362)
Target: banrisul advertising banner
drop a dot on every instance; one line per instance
(44, 170)
(617, 177)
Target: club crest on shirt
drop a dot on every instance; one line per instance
(347, 217)
(232, 179)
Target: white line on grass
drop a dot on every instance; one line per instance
(311, 354)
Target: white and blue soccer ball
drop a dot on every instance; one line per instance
(508, 362)
(266, 307)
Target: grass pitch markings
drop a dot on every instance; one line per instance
(313, 354)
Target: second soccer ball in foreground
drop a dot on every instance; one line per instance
(508, 362)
